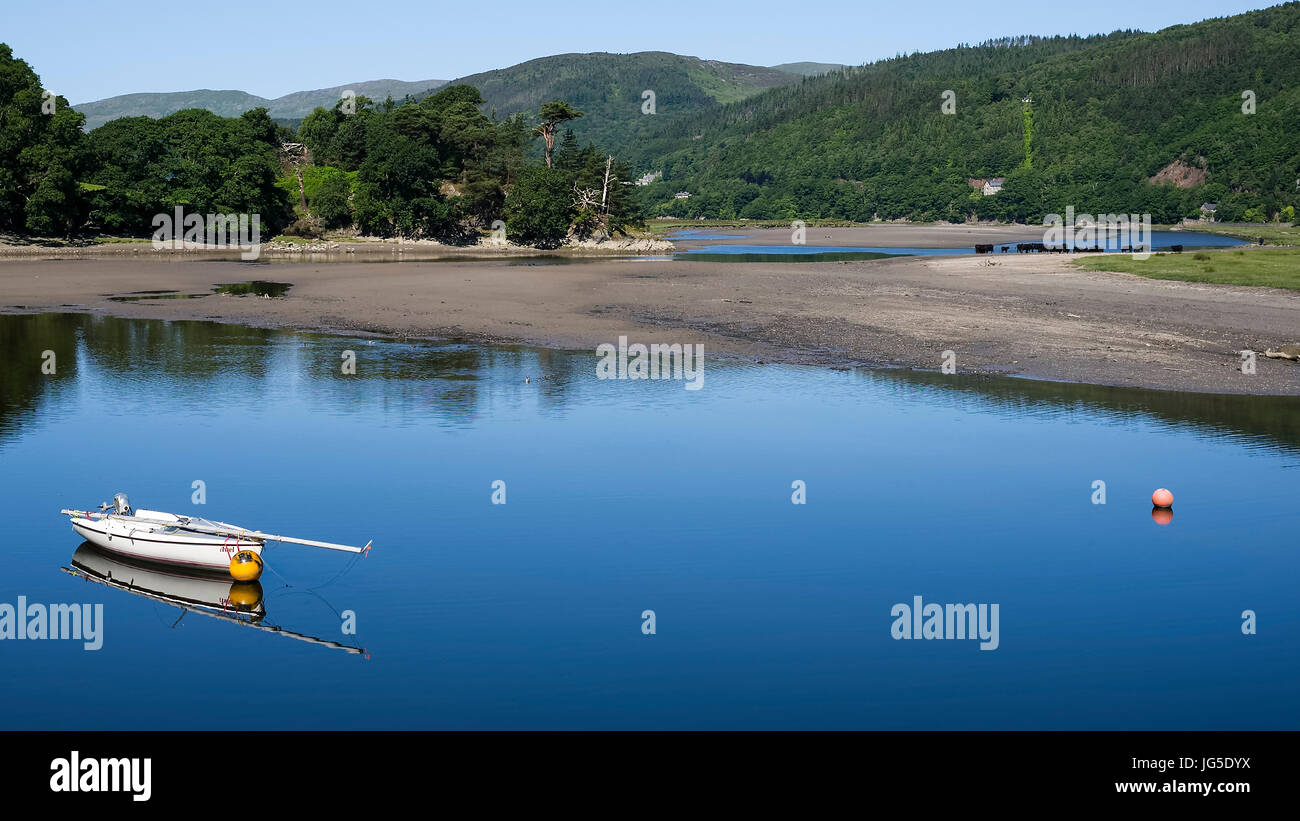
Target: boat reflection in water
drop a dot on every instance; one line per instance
(212, 595)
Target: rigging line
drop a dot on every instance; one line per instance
(312, 592)
(268, 566)
(346, 567)
(155, 612)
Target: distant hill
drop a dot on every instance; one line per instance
(292, 106)
(607, 87)
(610, 88)
(1092, 122)
(809, 69)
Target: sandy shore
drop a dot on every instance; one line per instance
(1032, 315)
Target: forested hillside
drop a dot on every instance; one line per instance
(610, 89)
(1107, 115)
(808, 69)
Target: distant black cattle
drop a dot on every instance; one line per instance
(983, 249)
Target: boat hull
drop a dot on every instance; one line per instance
(166, 545)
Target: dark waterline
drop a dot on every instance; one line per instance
(628, 496)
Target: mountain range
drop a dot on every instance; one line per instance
(596, 83)
(292, 106)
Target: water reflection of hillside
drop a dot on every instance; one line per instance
(203, 363)
(1253, 420)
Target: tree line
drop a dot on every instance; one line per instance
(434, 168)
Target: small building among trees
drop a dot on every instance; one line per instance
(987, 186)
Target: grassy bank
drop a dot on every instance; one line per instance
(1272, 233)
(1272, 267)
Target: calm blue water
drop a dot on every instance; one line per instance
(1160, 240)
(627, 496)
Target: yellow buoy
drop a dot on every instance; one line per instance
(246, 566)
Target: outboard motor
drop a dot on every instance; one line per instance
(121, 505)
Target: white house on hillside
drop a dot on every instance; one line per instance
(989, 186)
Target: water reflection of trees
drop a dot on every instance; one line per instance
(185, 359)
(452, 384)
(193, 354)
(192, 363)
(23, 385)
(1267, 420)
(456, 381)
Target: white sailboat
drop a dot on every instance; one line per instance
(190, 541)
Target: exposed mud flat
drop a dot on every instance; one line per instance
(1031, 315)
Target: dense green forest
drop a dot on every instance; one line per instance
(441, 168)
(136, 167)
(437, 168)
(55, 179)
(1108, 114)
(42, 154)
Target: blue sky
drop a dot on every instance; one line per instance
(89, 49)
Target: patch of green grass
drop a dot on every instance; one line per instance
(1271, 267)
(722, 89)
(1272, 233)
(292, 240)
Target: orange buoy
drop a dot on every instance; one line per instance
(1162, 515)
(246, 566)
(1162, 498)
